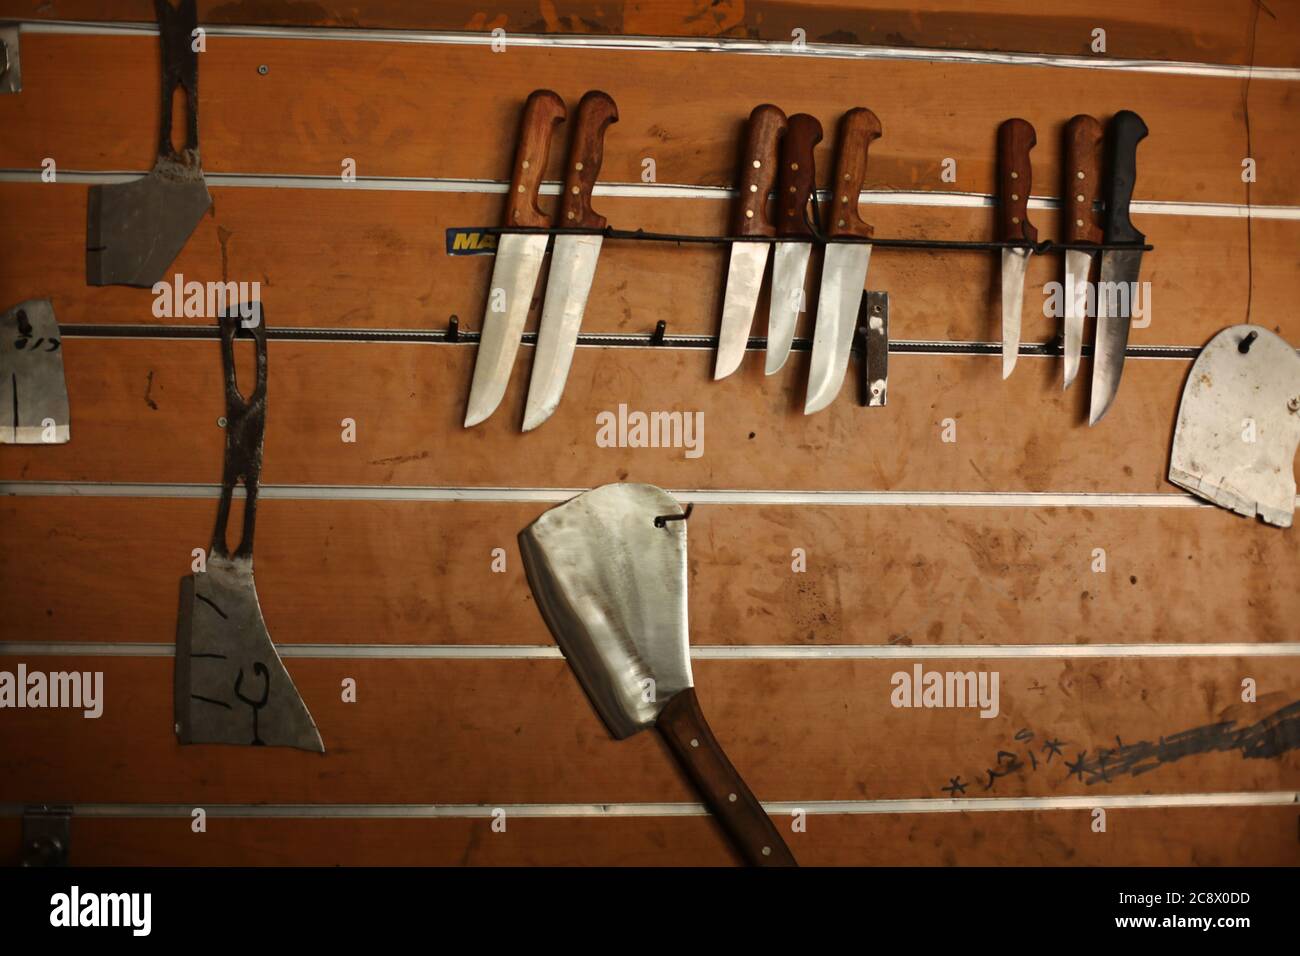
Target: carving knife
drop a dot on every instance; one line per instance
(518, 259)
(749, 259)
(795, 181)
(1079, 194)
(1015, 139)
(844, 267)
(1119, 267)
(573, 261)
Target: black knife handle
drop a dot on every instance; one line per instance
(245, 427)
(1125, 131)
(180, 67)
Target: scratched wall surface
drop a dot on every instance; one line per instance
(1145, 648)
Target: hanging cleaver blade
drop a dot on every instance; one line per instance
(33, 390)
(1120, 268)
(135, 230)
(609, 577)
(518, 259)
(1015, 139)
(1239, 425)
(573, 261)
(795, 182)
(749, 259)
(1080, 192)
(230, 685)
(844, 265)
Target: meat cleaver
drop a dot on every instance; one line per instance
(135, 230)
(609, 577)
(231, 686)
(33, 391)
(1239, 425)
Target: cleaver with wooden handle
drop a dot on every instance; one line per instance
(609, 576)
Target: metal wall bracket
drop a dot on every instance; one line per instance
(46, 835)
(873, 349)
(11, 67)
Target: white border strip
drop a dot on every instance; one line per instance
(906, 499)
(706, 652)
(649, 44)
(883, 197)
(475, 811)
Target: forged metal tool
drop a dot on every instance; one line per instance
(1015, 139)
(33, 390)
(1079, 193)
(795, 183)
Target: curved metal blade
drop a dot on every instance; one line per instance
(1014, 263)
(612, 589)
(844, 273)
(1077, 266)
(789, 268)
(744, 280)
(510, 295)
(1119, 273)
(573, 265)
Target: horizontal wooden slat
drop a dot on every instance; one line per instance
(1200, 30)
(89, 103)
(147, 411)
(420, 572)
(492, 732)
(389, 268)
(1200, 836)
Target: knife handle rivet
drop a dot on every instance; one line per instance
(1079, 174)
(846, 177)
(753, 189)
(749, 214)
(767, 851)
(521, 188)
(525, 164)
(571, 216)
(840, 223)
(1015, 197)
(794, 166)
(731, 797)
(792, 189)
(578, 166)
(1079, 198)
(1014, 174)
(757, 164)
(695, 742)
(1016, 220)
(844, 199)
(575, 190)
(1079, 223)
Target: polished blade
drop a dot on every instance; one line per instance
(1014, 263)
(844, 273)
(789, 267)
(1118, 283)
(573, 265)
(514, 277)
(744, 279)
(1078, 264)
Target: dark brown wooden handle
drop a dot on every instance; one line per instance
(543, 111)
(1015, 139)
(1082, 187)
(758, 172)
(751, 830)
(587, 150)
(795, 180)
(858, 129)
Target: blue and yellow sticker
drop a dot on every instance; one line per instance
(470, 242)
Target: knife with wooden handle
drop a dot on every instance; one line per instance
(795, 182)
(518, 258)
(1015, 139)
(1080, 192)
(573, 261)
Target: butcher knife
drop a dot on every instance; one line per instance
(844, 265)
(1120, 268)
(749, 259)
(608, 571)
(795, 182)
(1079, 194)
(573, 261)
(518, 259)
(1015, 139)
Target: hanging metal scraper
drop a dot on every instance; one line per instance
(33, 391)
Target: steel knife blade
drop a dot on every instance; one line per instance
(1120, 268)
(795, 182)
(844, 267)
(1079, 194)
(573, 261)
(1015, 139)
(749, 259)
(518, 259)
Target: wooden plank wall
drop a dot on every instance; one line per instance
(463, 702)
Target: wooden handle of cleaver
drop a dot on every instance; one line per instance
(751, 830)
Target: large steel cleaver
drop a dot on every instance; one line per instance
(1239, 425)
(135, 230)
(231, 686)
(33, 391)
(573, 261)
(1015, 139)
(610, 582)
(518, 259)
